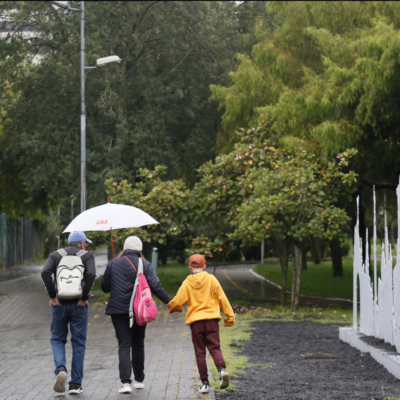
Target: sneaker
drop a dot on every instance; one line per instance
(125, 388)
(204, 388)
(62, 377)
(75, 389)
(138, 385)
(223, 379)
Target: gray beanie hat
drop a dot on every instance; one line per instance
(133, 243)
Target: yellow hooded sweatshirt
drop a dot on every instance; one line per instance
(204, 297)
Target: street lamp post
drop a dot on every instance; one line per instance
(83, 112)
(101, 62)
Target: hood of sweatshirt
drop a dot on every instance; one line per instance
(198, 280)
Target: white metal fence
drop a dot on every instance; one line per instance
(380, 302)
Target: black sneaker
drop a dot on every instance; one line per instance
(75, 389)
(61, 379)
(205, 387)
(223, 379)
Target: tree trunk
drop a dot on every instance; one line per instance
(315, 250)
(163, 257)
(147, 250)
(284, 258)
(336, 254)
(304, 250)
(215, 265)
(296, 277)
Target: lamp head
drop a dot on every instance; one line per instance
(101, 62)
(60, 4)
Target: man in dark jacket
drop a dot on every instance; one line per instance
(119, 279)
(72, 311)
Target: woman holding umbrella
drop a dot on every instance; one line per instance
(119, 279)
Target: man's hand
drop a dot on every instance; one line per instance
(83, 303)
(54, 302)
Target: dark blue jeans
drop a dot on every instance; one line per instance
(77, 318)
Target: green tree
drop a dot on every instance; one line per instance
(328, 81)
(150, 110)
(327, 77)
(292, 200)
(263, 192)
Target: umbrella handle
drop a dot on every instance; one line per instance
(112, 242)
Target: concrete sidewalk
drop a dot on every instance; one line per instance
(26, 361)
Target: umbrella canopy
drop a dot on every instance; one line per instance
(110, 216)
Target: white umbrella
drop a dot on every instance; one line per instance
(110, 216)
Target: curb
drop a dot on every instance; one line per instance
(353, 338)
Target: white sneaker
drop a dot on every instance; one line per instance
(223, 379)
(75, 389)
(125, 388)
(138, 385)
(204, 388)
(59, 386)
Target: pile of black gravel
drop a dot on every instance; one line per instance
(284, 374)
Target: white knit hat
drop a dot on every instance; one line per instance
(133, 243)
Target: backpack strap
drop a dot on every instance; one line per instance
(131, 313)
(140, 265)
(130, 262)
(81, 253)
(62, 252)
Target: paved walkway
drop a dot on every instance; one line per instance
(26, 362)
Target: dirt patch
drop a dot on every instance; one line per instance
(282, 373)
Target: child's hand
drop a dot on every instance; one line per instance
(176, 309)
(173, 309)
(229, 321)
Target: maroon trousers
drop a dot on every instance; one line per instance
(205, 333)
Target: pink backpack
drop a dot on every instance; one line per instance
(142, 306)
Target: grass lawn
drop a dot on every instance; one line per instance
(172, 276)
(318, 280)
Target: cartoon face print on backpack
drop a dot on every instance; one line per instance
(68, 278)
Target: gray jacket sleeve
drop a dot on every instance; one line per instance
(48, 272)
(89, 274)
(154, 283)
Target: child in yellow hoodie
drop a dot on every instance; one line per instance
(204, 297)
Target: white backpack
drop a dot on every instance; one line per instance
(69, 275)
